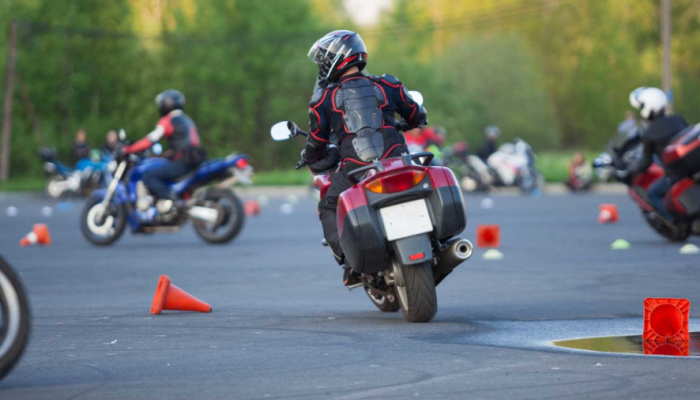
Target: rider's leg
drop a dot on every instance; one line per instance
(327, 208)
(157, 179)
(656, 194)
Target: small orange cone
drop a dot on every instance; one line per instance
(608, 214)
(171, 297)
(38, 235)
(252, 208)
(488, 236)
(666, 320)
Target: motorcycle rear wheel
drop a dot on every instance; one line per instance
(382, 303)
(415, 291)
(14, 329)
(232, 222)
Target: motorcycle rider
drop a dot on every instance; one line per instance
(652, 103)
(358, 111)
(185, 152)
(491, 133)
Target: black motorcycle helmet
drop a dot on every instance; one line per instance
(170, 100)
(336, 53)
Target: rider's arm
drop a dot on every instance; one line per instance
(319, 127)
(409, 110)
(647, 157)
(164, 128)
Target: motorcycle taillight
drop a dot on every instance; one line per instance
(242, 163)
(396, 182)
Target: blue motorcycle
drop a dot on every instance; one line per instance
(62, 180)
(217, 213)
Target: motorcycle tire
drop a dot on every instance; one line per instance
(679, 234)
(14, 331)
(50, 190)
(382, 303)
(119, 225)
(415, 291)
(235, 215)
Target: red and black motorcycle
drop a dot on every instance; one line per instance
(682, 200)
(398, 228)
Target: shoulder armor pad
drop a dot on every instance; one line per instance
(391, 79)
(317, 96)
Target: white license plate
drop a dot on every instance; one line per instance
(406, 219)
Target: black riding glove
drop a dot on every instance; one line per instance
(330, 160)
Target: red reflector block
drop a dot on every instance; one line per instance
(666, 320)
(488, 236)
(416, 256)
(678, 349)
(242, 163)
(608, 214)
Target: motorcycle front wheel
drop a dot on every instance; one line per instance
(14, 325)
(105, 230)
(231, 217)
(679, 233)
(53, 187)
(415, 291)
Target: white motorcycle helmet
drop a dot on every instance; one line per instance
(651, 102)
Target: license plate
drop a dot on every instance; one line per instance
(406, 219)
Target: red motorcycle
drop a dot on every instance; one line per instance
(682, 200)
(398, 228)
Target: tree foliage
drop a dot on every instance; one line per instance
(556, 72)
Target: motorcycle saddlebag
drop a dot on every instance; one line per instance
(683, 198)
(682, 157)
(446, 204)
(361, 236)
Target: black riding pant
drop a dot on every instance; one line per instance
(327, 208)
(158, 180)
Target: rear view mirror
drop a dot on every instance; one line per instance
(157, 149)
(417, 97)
(280, 131)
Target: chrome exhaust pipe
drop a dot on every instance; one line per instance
(452, 253)
(205, 214)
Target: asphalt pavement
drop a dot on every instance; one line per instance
(283, 326)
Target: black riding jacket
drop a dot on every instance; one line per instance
(357, 114)
(656, 137)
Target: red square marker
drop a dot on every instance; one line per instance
(678, 349)
(666, 320)
(488, 236)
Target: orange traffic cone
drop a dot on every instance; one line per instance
(252, 208)
(488, 236)
(666, 320)
(38, 235)
(171, 297)
(608, 214)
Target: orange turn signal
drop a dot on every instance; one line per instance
(396, 182)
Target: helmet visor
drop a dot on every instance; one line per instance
(327, 47)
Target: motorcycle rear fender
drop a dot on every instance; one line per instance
(413, 249)
(684, 198)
